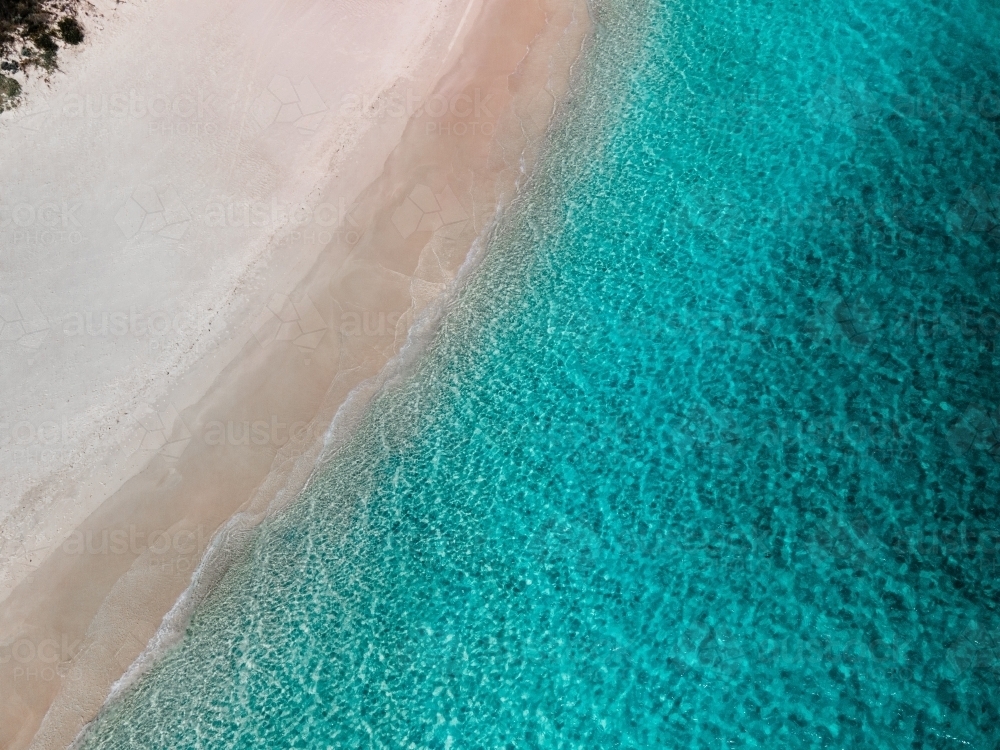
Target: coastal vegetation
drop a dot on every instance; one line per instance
(10, 90)
(31, 33)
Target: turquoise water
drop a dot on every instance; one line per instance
(706, 455)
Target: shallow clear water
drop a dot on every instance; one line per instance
(707, 454)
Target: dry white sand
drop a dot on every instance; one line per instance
(140, 203)
(218, 221)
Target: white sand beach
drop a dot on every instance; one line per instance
(216, 222)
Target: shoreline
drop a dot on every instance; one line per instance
(253, 237)
(414, 226)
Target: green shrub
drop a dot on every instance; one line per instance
(10, 89)
(70, 30)
(32, 27)
(46, 43)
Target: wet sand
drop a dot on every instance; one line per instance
(239, 435)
